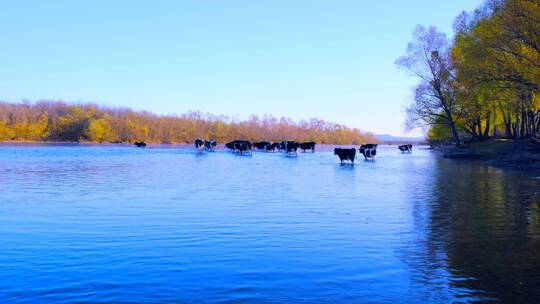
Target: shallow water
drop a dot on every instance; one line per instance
(161, 224)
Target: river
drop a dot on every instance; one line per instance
(118, 224)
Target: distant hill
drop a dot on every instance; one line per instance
(387, 138)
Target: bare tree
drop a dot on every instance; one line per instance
(428, 58)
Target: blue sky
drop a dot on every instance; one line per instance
(328, 59)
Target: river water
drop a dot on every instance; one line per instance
(116, 224)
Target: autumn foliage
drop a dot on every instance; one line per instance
(485, 81)
(60, 121)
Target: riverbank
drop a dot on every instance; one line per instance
(524, 154)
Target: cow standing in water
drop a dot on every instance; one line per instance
(239, 146)
(405, 148)
(272, 147)
(308, 146)
(199, 144)
(369, 151)
(345, 154)
(230, 145)
(292, 147)
(262, 145)
(210, 145)
(243, 146)
(289, 146)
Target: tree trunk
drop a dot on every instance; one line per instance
(479, 125)
(517, 127)
(530, 123)
(488, 125)
(537, 122)
(523, 128)
(507, 122)
(472, 127)
(455, 134)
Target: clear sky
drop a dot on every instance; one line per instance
(328, 59)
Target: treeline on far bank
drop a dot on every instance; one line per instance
(60, 121)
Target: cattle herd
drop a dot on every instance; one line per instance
(287, 146)
(243, 147)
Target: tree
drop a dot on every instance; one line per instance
(497, 54)
(38, 129)
(99, 130)
(428, 58)
(6, 133)
(439, 133)
(72, 126)
(54, 120)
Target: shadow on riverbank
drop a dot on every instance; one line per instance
(523, 154)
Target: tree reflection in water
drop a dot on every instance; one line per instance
(477, 236)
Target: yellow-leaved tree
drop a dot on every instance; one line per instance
(99, 130)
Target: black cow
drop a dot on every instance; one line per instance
(288, 146)
(345, 154)
(242, 146)
(230, 145)
(405, 148)
(262, 145)
(239, 145)
(369, 151)
(210, 145)
(308, 146)
(199, 144)
(140, 144)
(272, 147)
(292, 147)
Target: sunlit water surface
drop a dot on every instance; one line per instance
(121, 224)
